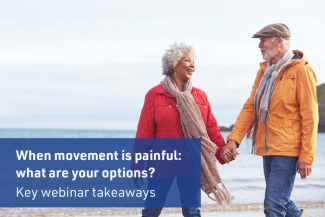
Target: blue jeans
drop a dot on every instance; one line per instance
(280, 173)
(187, 188)
(186, 211)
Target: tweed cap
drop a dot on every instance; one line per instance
(274, 30)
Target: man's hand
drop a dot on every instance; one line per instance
(138, 182)
(229, 152)
(304, 170)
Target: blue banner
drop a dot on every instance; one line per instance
(100, 173)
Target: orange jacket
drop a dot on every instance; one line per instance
(293, 113)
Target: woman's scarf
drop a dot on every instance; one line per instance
(194, 127)
(266, 87)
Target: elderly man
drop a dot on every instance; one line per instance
(281, 118)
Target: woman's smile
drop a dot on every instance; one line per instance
(184, 68)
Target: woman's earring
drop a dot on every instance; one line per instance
(175, 71)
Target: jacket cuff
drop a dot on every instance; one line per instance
(218, 156)
(307, 160)
(236, 139)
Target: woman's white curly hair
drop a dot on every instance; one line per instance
(173, 55)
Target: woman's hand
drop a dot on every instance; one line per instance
(226, 156)
(229, 152)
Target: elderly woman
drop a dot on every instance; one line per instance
(176, 109)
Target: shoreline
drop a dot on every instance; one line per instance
(237, 209)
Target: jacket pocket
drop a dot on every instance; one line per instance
(204, 110)
(289, 92)
(297, 131)
(291, 75)
(201, 104)
(165, 114)
(166, 104)
(290, 133)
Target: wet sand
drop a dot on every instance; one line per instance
(236, 210)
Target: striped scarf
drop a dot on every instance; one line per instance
(261, 110)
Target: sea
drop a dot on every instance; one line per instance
(243, 178)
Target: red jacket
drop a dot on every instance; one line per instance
(160, 117)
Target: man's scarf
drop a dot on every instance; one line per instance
(194, 127)
(266, 88)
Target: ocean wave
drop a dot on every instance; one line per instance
(309, 186)
(246, 188)
(62, 212)
(248, 180)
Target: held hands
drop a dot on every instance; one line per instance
(228, 152)
(304, 169)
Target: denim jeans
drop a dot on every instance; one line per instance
(186, 211)
(187, 188)
(280, 173)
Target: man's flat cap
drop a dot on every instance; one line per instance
(274, 30)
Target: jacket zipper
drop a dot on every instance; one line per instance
(265, 142)
(266, 132)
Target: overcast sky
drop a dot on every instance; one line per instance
(88, 64)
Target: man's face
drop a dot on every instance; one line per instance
(268, 48)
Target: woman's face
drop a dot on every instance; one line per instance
(185, 67)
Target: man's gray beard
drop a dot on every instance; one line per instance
(269, 53)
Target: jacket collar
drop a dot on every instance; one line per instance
(297, 58)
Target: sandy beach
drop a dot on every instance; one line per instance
(236, 210)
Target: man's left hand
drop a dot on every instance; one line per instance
(304, 169)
